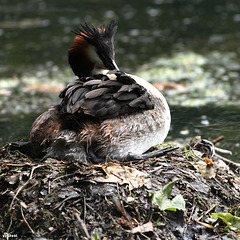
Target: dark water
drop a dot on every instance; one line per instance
(35, 36)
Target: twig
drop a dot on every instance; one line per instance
(205, 213)
(217, 140)
(25, 220)
(84, 209)
(94, 211)
(49, 187)
(121, 208)
(23, 204)
(190, 217)
(223, 151)
(19, 164)
(63, 176)
(155, 169)
(146, 237)
(232, 164)
(82, 225)
(220, 150)
(207, 225)
(61, 204)
(10, 224)
(25, 184)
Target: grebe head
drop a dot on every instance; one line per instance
(93, 49)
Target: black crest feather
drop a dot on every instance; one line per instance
(102, 39)
(97, 35)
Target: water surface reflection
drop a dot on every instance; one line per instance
(35, 36)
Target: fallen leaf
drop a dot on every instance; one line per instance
(147, 227)
(161, 199)
(124, 175)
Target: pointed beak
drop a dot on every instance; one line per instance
(115, 67)
(111, 65)
(108, 61)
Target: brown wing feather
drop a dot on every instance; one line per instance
(105, 98)
(45, 127)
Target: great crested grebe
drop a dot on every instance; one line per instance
(106, 113)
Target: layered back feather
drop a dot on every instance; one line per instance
(105, 98)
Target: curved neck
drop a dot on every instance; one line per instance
(78, 58)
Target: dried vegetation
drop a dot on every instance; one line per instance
(55, 199)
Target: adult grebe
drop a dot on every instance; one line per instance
(106, 113)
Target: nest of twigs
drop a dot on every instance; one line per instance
(54, 199)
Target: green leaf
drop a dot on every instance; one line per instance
(159, 224)
(161, 199)
(228, 218)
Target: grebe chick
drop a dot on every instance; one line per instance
(106, 113)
